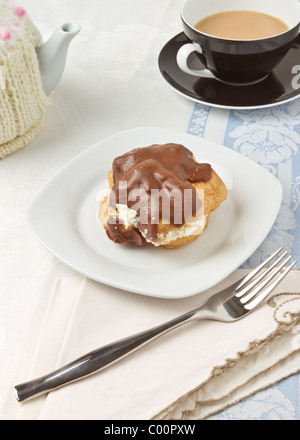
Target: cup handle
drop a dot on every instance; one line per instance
(182, 58)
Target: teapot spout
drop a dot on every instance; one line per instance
(52, 55)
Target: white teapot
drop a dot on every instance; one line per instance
(29, 72)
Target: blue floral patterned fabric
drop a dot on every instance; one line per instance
(270, 137)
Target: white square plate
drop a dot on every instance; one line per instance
(63, 218)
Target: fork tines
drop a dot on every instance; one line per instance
(255, 287)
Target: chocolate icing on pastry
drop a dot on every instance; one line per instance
(161, 168)
(174, 157)
(117, 232)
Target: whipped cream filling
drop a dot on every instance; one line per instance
(129, 218)
(187, 230)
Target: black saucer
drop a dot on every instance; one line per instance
(274, 90)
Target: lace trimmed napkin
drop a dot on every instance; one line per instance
(189, 373)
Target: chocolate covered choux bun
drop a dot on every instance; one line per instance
(159, 196)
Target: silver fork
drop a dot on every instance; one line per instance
(231, 304)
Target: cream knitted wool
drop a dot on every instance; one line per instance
(23, 102)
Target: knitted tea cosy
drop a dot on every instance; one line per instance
(23, 102)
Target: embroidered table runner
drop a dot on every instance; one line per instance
(270, 137)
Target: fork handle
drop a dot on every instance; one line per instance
(96, 360)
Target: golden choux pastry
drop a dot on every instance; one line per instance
(146, 180)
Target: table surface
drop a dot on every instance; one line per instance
(112, 83)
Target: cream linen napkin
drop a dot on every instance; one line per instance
(189, 373)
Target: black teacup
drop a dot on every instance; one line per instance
(237, 61)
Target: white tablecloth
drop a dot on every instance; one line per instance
(111, 83)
